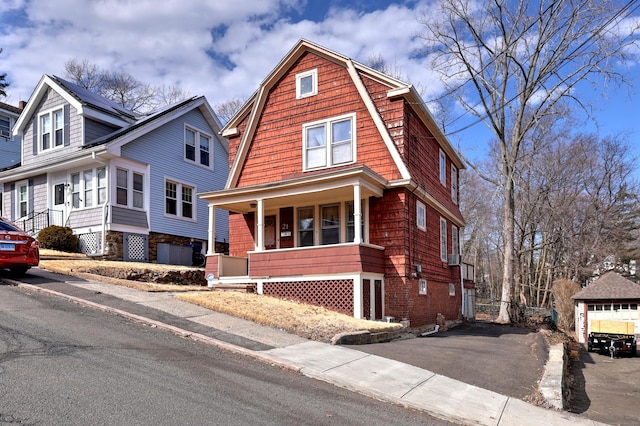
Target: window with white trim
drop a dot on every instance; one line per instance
(443, 239)
(129, 188)
(454, 184)
(455, 241)
(5, 127)
(22, 194)
(179, 200)
(101, 173)
(197, 147)
(88, 189)
(122, 187)
(51, 129)
(421, 215)
(443, 168)
(329, 143)
(422, 286)
(307, 84)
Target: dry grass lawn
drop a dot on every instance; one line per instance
(311, 322)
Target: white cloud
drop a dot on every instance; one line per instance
(169, 42)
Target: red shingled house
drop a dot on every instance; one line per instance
(342, 192)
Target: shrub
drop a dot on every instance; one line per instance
(58, 238)
(562, 290)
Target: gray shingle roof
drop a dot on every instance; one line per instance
(610, 286)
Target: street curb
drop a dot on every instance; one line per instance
(266, 358)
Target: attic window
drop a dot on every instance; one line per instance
(307, 84)
(51, 130)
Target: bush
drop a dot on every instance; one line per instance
(58, 238)
(562, 290)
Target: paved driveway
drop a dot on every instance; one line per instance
(505, 359)
(606, 390)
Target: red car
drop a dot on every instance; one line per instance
(18, 250)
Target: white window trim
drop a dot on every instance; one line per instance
(442, 162)
(194, 200)
(422, 286)
(454, 184)
(197, 160)
(327, 146)
(314, 85)
(52, 144)
(130, 172)
(452, 289)
(455, 239)
(82, 188)
(421, 215)
(443, 239)
(24, 183)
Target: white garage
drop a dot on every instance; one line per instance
(609, 298)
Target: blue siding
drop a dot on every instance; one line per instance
(163, 150)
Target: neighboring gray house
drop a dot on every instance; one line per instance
(126, 184)
(9, 145)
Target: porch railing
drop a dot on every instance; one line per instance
(37, 221)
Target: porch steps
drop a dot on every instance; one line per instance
(244, 288)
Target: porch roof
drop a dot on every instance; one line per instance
(311, 189)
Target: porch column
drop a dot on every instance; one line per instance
(211, 243)
(260, 226)
(357, 215)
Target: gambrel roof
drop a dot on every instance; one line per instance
(254, 107)
(610, 286)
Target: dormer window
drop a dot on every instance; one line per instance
(51, 130)
(307, 84)
(329, 142)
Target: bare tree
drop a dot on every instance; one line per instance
(513, 63)
(3, 83)
(227, 109)
(121, 87)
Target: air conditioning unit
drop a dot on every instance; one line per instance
(5, 133)
(453, 259)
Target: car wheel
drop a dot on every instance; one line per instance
(18, 272)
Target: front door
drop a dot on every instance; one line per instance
(270, 242)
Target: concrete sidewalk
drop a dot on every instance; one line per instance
(371, 375)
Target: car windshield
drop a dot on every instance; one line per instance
(6, 226)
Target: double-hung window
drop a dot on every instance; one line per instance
(330, 224)
(305, 226)
(421, 216)
(51, 129)
(443, 167)
(122, 187)
(197, 147)
(75, 190)
(23, 199)
(329, 143)
(454, 184)
(179, 200)
(88, 188)
(5, 127)
(443, 239)
(455, 240)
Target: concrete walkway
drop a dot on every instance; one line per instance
(378, 377)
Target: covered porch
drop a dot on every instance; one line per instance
(301, 235)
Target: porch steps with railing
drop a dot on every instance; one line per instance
(35, 222)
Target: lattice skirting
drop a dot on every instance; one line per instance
(89, 243)
(336, 295)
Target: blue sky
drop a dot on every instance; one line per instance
(223, 49)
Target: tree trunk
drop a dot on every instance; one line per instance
(504, 317)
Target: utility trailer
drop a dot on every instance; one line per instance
(613, 337)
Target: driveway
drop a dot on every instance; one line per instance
(502, 358)
(605, 389)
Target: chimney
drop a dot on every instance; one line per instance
(22, 104)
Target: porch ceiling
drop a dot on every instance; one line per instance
(315, 189)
